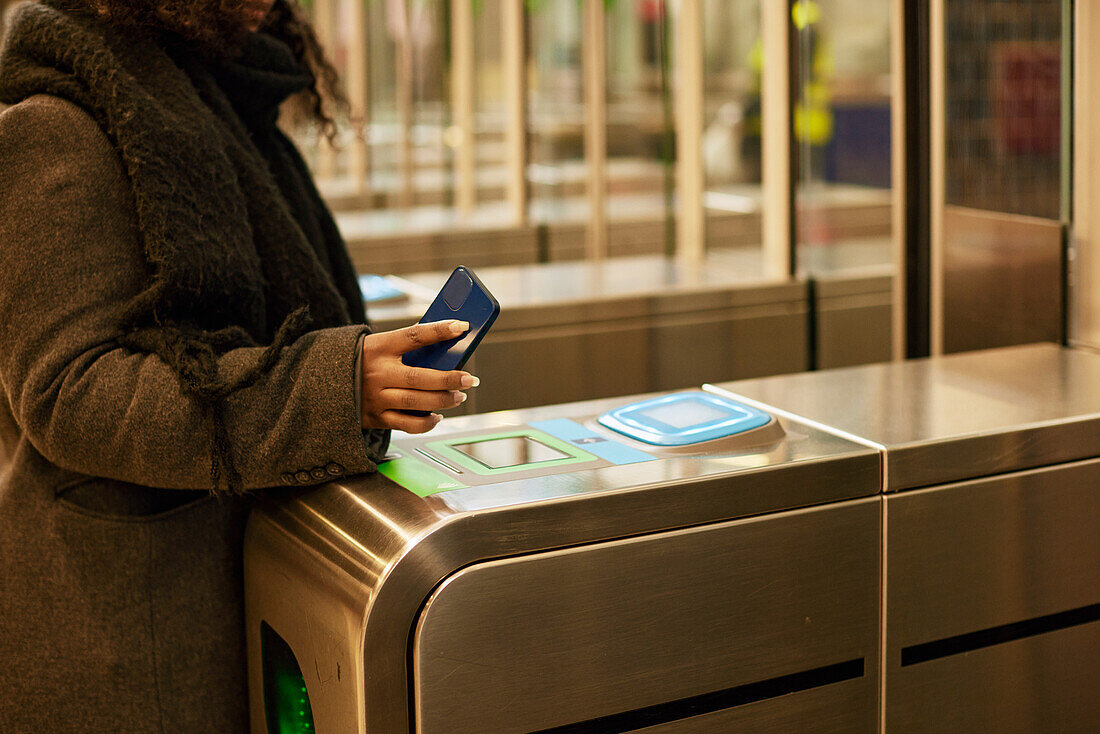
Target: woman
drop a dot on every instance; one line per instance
(178, 314)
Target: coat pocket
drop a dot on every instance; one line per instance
(109, 499)
(142, 599)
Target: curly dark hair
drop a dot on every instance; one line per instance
(286, 21)
(219, 27)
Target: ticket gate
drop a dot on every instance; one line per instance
(684, 563)
(901, 547)
(992, 520)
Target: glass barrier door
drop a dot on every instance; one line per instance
(999, 199)
(844, 87)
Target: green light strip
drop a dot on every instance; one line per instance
(294, 714)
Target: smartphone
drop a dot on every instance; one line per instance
(465, 298)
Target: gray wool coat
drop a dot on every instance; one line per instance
(120, 573)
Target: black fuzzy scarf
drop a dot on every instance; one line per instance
(242, 252)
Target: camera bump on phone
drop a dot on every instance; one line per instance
(457, 290)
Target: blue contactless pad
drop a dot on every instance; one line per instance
(683, 418)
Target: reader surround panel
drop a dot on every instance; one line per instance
(447, 449)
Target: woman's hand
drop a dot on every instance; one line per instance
(389, 387)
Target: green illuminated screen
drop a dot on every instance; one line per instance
(286, 702)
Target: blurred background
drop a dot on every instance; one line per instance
(776, 186)
(433, 122)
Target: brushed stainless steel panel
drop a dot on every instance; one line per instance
(854, 330)
(854, 312)
(1035, 685)
(1084, 316)
(527, 643)
(982, 554)
(840, 708)
(757, 292)
(1002, 279)
(727, 344)
(956, 417)
(572, 362)
(854, 281)
(314, 600)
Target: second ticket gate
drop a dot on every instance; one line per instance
(992, 531)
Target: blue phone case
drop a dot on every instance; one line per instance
(465, 298)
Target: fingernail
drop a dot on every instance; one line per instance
(470, 381)
(459, 397)
(460, 327)
(437, 417)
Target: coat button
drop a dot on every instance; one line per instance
(318, 472)
(288, 478)
(334, 469)
(303, 477)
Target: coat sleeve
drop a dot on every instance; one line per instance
(70, 260)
